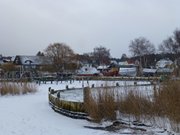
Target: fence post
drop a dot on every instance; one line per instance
(135, 83)
(52, 91)
(58, 94)
(86, 92)
(49, 89)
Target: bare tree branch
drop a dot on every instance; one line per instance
(60, 53)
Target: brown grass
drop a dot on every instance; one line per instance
(101, 106)
(165, 103)
(135, 104)
(16, 89)
(167, 100)
(28, 88)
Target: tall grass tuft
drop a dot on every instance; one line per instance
(167, 100)
(17, 89)
(135, 104)
(28, 88)
(101, 105)
(165, 103)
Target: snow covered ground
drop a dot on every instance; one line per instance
(77, 95)
(31, 115)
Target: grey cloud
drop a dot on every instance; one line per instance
(29, 26)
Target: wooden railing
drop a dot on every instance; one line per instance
(123, 78)
(77, 109)
(69, 108)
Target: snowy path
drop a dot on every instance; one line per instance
(32, 115)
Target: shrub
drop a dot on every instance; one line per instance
(165, 103)
(101, 106)
(135, 104)
(167, 100)
(28, 88)
(16, 89)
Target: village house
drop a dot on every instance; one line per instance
(30, 64)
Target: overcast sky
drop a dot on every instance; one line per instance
(29, 26)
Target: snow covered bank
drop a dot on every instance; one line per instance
(31, 115)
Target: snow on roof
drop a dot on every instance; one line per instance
(164, 70)
(123, 63)
(33, 60)
(149, 70)
(102, 67)
(4, 59)
(88, 70)
(163, 63)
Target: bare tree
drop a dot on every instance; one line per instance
(124, 57)
(101, 55)
(8, 67)
(61, 55)
(177, 41)
(141, 47)
(40, 53)
(177, 49)
(167, 46)
(171, 44)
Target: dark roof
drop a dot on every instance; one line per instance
(32, 60)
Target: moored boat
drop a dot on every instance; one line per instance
(128, 70)
(88, 70)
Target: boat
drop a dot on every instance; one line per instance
(111, 70)
(128, 70)
(88, 70)
(149, 71)
(114, 71)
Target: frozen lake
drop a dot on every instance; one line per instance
(123, 88)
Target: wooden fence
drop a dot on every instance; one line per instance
(69, 108)
(77, 110)
(119, 78)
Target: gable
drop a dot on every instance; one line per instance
(32, 60)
